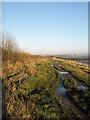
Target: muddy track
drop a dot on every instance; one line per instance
(68, 103)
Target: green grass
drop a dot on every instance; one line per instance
(36, 98)
(81, 99)
(81, 72)
(69, 83)
(41, 90)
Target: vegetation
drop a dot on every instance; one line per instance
(69, 83)
(35, 98)
(29, 85)
(81, 98)
(79, 71)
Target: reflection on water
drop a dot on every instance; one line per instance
(61, 93)
(64, 73)
(83, 87)
(61, 90)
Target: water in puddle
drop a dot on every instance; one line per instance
(61, 93)
(83, 87)
(61, 90)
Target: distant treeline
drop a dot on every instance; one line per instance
(10, 50)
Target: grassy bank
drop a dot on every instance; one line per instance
(36, 98)
(69, 83)
(81, 98)
(81, 72)
(28, 85)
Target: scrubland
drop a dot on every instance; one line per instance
(29, 82)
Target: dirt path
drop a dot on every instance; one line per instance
(61, 93)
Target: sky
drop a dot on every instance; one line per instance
(46, 0)
(48, 28)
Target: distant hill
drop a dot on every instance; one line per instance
(74, 56)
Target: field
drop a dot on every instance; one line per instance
(36, 97)
(81, 72)
(29, 85)
(80, 97)
(29, 90)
